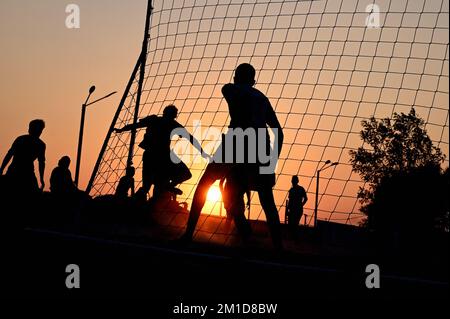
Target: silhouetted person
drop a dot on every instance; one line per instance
(67, 200)
(126, 183)
(255, 112)
(161, 167)
(61, 182)
(23, 152)
(248, 108)
(297, 199)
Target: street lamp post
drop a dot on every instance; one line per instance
(326, 165)
(80, 136)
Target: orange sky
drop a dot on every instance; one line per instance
(47, 70)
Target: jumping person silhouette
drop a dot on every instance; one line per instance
(23, 152)
(248, 109)
(161, 167)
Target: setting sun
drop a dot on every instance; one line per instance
(214, 194)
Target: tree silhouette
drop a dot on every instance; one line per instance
(411, 201)
(397, 153)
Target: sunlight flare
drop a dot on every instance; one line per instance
(214, 194)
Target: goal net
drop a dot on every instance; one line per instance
(325, 66)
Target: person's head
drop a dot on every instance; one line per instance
(245, 74)
(64, 162)
(36, 127)
(130, 170)
(170, 112)
(294, 180)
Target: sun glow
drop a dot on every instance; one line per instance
(214, 194)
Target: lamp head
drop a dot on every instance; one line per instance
(335, 163)
(327, 162)
(92, 89)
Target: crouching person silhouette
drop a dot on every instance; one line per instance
(161, 168)
(65, 193)
(61, 183)
(126, 184)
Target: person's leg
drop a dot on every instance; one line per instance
(212, 173)
(161, 176)
(235, 190)
(267, 201)
(34, 186)
(237, 211)
(147, 179)
(294, 217)
(293, 221)
(300, 216)
(158, 189)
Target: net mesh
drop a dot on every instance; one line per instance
(324, 65)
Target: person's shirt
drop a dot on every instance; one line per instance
(61, 181)
(296, 195)
(159, 133)
(126, 183)
(26, 149)
(248, 108)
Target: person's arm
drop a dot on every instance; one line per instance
(41, 160)
(52, 180)
(248, 194)
(41, 173)
(132, 187)
(289, 201)
(229, 91)
(129, 127)
(198, 146)
(274, 124)
(9, 155)
(231, 94)
(221, 185)
(305, 199)
(182, 132)
(6, 160)
(72, 183)
(141, 124)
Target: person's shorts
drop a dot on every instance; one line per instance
(250, 178)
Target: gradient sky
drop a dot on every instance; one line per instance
(323, 70)
(340, 74)
(47, 69)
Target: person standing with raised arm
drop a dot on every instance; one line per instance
(161, 167)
